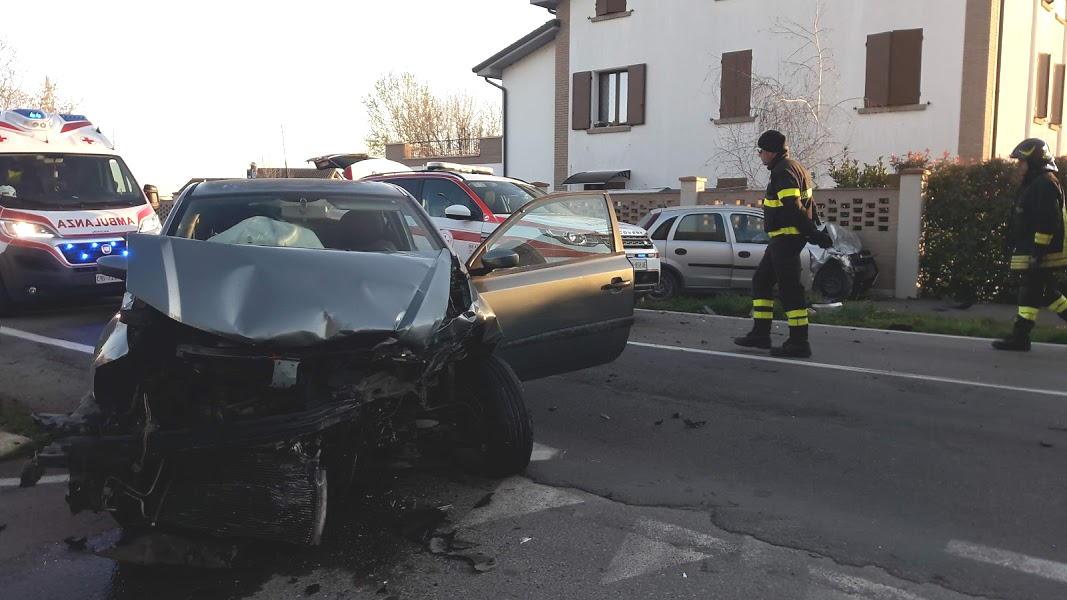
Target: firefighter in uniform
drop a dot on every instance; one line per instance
(788, 213)
(1038, 241)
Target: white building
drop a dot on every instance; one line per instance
(650, 90)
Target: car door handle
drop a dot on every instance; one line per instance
(681, 251)
(617, 284)
(744, 254)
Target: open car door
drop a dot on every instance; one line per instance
(557, 277)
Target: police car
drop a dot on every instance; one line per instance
(467, 203)
(66, 199)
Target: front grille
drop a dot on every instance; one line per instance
(636, 241)
(87, 253)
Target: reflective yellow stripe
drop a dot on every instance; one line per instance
(1028, 312)
(762, 315)
(1054, 260)
(772, 203)
(798, 322)
(784, 231)
(1043, 239)
(1020, 262)
(796, 314)
(1059, 305)
(762, 303)
(788, 193)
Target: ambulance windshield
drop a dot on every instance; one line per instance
(66, 182)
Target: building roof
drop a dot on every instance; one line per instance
(549, 4)
(494, 66)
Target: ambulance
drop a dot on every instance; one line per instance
(66, 199)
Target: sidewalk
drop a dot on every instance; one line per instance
(997, 312)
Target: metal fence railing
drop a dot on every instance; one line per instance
(435, 148)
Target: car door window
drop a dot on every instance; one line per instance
(748, 229)
(706, 227)
(567, 229)
(439, 194)
(661, 232)
(410, 185)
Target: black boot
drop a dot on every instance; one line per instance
(759, 337)
(1019, 340)
(796, 346)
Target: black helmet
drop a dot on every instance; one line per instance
(772, 141)
(1036, 153)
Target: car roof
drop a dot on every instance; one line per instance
(225, 187)
(711, 208)
(426, 173)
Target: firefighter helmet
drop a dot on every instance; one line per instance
(1036, 153)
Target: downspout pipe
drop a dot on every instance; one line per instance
(996, 87)
(504, 125)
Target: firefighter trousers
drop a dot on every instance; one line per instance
(1038, 289)
(781, 266)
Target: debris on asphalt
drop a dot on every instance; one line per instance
(524, 540)
(426, 423)
(1057, 428)
(1045, 444)
(384, 589)
(703, 342)
(170, 550)
(444, 507)
(684, 576)
(481, 562)
(484, 501)
(551, 409)
(708, 311)
(676, 416)
(660, 422)
(31, 474)
(312, 589)
(694, 424)
(420, 524)
(76, 543)
(293, 580)
(605, 417)
(3, 526)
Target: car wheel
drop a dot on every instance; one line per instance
(506, 434)
(669, 286)
(833, 283)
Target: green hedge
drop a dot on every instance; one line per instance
(963, 251)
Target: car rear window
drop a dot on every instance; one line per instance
(664, 228)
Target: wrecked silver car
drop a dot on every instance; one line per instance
(279, 329)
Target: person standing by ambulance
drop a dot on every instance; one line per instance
(1039, 247)
(788, 218)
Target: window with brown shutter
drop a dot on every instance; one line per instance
(1044, 63)
(581, 100)
(894, 68)
(1057, 95)
(608, 7)
(736, 85)
(635, 109)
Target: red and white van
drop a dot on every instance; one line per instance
(66, 199)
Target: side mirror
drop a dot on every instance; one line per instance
(113, 266)
(152, 193)
(500, 258)
(458, 212)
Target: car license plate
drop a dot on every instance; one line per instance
(640, 264)
(107, 279)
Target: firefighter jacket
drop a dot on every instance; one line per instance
(1037, 227)
(788, 207)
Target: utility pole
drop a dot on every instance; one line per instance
(285, 157)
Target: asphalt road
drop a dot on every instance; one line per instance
(890, 466)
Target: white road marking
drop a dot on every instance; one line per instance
(542, 452)
(655, 546)
(518, 496)
(14, 481)
(856, 586)
(1012, 560)
(850, 369)
(40, 339)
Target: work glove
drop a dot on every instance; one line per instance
(822, 239)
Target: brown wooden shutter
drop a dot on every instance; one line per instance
(736, 85)
(1057, 95)
(905, 67)
(877, 86)
(635, 100)
(581, 100)
(601, 7)
(607, 7)
(1044, 62)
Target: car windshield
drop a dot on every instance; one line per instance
(294, 220)
(66, 181)
(504, 197)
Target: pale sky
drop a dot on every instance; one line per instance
(199, 89)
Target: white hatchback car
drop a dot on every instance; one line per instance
(719, 247)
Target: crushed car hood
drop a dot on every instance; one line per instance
(290, 297)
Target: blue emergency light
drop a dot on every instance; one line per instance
(87, 253)
(30, 113)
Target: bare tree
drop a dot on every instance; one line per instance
(796, 101)
(400, 108)
(14, 95)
